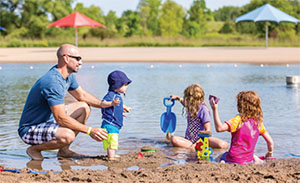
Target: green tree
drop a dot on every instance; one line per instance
(34, 18)
(111, 21)
(149, 13)
(58, 8)
(227, 13)
(110, 29)
(130, 24)
(227, 28)
(171, 19)
(8, 15)
(196, 23)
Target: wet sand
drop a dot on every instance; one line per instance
(149, 169)
(190, 54)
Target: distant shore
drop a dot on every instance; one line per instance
(164, 54)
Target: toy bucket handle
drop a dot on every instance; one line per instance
(168, 105)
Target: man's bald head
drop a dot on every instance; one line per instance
(67, 49)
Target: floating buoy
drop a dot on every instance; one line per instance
(292, 80)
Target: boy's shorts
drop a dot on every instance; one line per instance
(41, 133)
(112, 140)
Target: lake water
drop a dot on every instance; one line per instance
(151, 83)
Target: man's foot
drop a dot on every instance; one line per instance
(34, 154)
(68, 154)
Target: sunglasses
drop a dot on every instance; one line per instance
(78, 58)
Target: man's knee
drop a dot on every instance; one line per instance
(66, 136)
(79, 111)
(85, 108)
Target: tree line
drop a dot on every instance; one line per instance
(30, 19)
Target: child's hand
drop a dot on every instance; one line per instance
(174, 97)
(213, 105)
(126, 109)
(115, 102)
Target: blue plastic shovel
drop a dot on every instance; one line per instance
(168, 119)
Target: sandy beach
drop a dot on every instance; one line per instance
(186, 54)
(149, 169)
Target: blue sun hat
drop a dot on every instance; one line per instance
(116, 79)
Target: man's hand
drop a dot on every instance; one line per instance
(98, 134)
(115, 102)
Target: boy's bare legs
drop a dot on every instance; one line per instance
(111, 154)
(64, 136)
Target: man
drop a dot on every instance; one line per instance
(46, 122)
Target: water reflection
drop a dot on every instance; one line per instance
(12, 99)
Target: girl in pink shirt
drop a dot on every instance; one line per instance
(245, 129)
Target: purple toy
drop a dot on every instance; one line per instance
(216, 99)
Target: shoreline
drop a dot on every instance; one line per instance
(255, 55)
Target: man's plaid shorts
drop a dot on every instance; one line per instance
(41, 133)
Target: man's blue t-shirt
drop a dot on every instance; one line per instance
(113, 115)
(48, 91)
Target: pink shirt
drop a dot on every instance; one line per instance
(244, 136)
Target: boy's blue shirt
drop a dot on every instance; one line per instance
(113, 115)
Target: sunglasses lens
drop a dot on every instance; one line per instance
(78, 58)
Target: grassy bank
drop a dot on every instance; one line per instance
(213, 40)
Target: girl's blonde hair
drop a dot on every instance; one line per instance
(193, 97)
(248, 104)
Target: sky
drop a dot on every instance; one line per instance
(119, 6)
